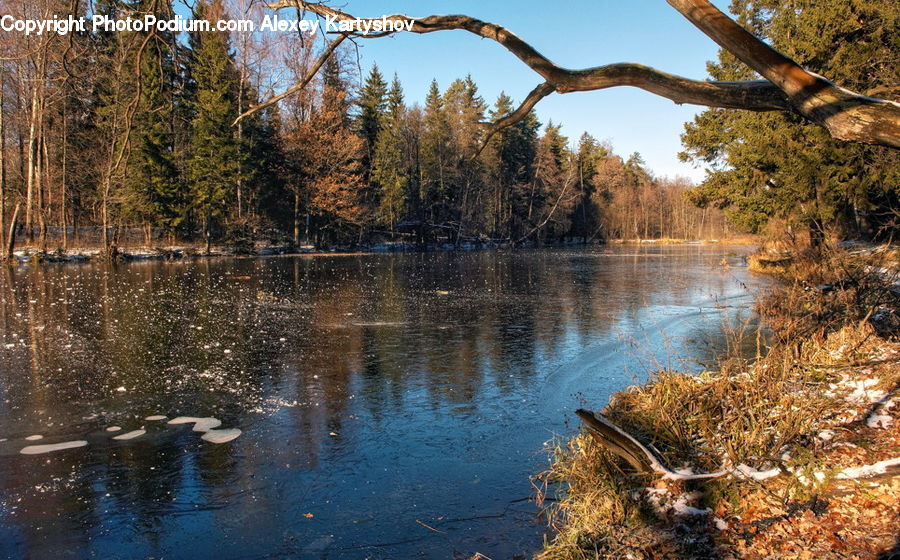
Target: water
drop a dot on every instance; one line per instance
(375, 396)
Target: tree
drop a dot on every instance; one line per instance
(787, 86)
(436, 154)
(155, 189)
(372, 105)
(215, 162)
(388, 166)
(512, 165)
(778, 165)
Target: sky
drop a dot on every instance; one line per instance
(576, 34)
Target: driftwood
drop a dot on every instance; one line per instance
(623, 444)
(646, 461)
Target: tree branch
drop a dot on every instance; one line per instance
(538, 93)
(847, 116)
(299, 85)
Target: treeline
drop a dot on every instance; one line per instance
(107, 133)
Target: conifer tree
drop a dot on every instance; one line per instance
(372, 104)
(775, 165)
(388, 166)
(154, 187)
(215, 161)
(436, 155)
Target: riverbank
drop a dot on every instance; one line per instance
(804, 439)
(176, 252)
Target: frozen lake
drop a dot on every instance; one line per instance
(331, 406)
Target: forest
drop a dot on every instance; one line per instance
(109, 138)
(117, 137)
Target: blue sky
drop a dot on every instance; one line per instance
(576, 34)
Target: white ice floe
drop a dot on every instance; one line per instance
(221, 436)
(47, 448)
(113, 428)
(155, 417)
(130, 435)
(880, 467)
(121, 389)
(200, 424)
(35, 437)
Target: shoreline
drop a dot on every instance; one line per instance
(801, 443)
(25, 255)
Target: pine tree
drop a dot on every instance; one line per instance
(215, 161)
(388, 166)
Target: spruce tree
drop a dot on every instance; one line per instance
(215, 161)
(372, 104)
(775, 165)
(436, 154)
(388, 166)
(153, 184)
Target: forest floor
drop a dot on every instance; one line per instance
(806, 436)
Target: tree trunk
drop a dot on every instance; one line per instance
(297, 220)
(11, 238)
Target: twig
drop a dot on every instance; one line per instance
(430, 528)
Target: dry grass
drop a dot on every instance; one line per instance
(747, 412)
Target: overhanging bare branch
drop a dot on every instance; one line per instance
(299, 85)
(846, 115)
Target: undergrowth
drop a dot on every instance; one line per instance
(746, 412)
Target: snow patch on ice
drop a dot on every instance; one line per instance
(35, 437)
(113, 428)
(200, 424)
(47, 448)
(221, 436)
(131, 435)
(155, 417)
